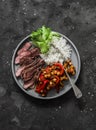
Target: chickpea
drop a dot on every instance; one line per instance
(71, 70)
(48, 88)
(55, 72)
(52, 73)
(58, 73)
(51, 83)
(70, 63)
(48, 75)
(44, 72)
(43, 95)
(41, 91)
(54, 79)
(45, 76)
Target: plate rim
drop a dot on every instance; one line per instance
(40, 97)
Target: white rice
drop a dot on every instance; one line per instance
(58, 52)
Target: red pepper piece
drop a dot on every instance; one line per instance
(41, 87)
(60, 67)
(41, 77)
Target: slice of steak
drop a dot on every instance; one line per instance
(23, 54)
(17, 60)
(33, 80)
(19, 70)
(41, 61)
(36, 76)
(28, 84)
(22, 68)
(33, 52)
(28, 73)
(26, 60)
(25, 48)
(32, 64)
(27, 76)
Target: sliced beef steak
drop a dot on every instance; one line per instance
(30, 65)
(25, 48)
(33, 52)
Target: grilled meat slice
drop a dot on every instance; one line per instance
(28, 84)
(28, 73)
(26, 60)
(33, 52)
(19, 70)
(25, 48)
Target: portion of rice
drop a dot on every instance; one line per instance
(59, 51)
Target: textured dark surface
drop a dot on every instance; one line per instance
(75, 19)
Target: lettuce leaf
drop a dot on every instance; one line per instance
(42, 37)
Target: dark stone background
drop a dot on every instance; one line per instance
(77, 20)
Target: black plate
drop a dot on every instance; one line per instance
(52, 94)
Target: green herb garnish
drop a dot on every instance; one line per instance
(42, 37)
